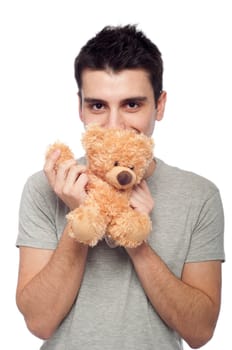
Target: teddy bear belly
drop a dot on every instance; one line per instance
(111, 201)
(124, 226)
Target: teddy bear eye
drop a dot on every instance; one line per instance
(132, 167)
(116, 163)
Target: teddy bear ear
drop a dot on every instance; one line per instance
(94, 134)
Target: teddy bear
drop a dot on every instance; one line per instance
(117, 160)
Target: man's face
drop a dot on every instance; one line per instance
(120, 100)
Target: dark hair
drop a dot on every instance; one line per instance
(118, 48)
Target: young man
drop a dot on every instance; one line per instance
(149, 297)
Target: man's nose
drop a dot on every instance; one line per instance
(115, 120)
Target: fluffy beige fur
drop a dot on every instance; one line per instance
(117, 160)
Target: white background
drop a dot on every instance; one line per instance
(38, 43)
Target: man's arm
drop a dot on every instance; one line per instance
(48, 284)
(49, 281)
(191, 305)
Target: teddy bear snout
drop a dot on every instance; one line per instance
(124, 178)
(121, 178)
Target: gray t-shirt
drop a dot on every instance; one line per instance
(112, 311)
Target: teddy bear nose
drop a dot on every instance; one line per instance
(124, 178)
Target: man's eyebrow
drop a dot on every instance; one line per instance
(126, 100)
(135, 98)
(93, 100)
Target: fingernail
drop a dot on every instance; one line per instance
(56, 153)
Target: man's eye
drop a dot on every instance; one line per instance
(133, 105)
(97, 106)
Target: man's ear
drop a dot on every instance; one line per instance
(161, 106)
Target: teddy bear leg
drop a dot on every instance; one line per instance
(130, 228)
(87, 224)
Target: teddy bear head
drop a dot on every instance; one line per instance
(119, 157)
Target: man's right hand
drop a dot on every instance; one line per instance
(68, 181)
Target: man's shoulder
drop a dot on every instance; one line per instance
(184, 181)
(37, 186)
(38, 179)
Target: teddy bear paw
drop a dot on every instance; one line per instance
(87, 226)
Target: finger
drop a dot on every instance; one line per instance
(142, 187)
(72, 177)
(63, 170)
(49, 166)
(141, 198)
(136, 200)
(78, 192)
(139, 194)
(51, 160)
(74, 173)
(82, 182)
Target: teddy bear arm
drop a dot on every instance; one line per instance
(88, 225)
(130, 228)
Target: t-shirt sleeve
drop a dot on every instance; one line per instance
(207, 241)
(37, 227)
